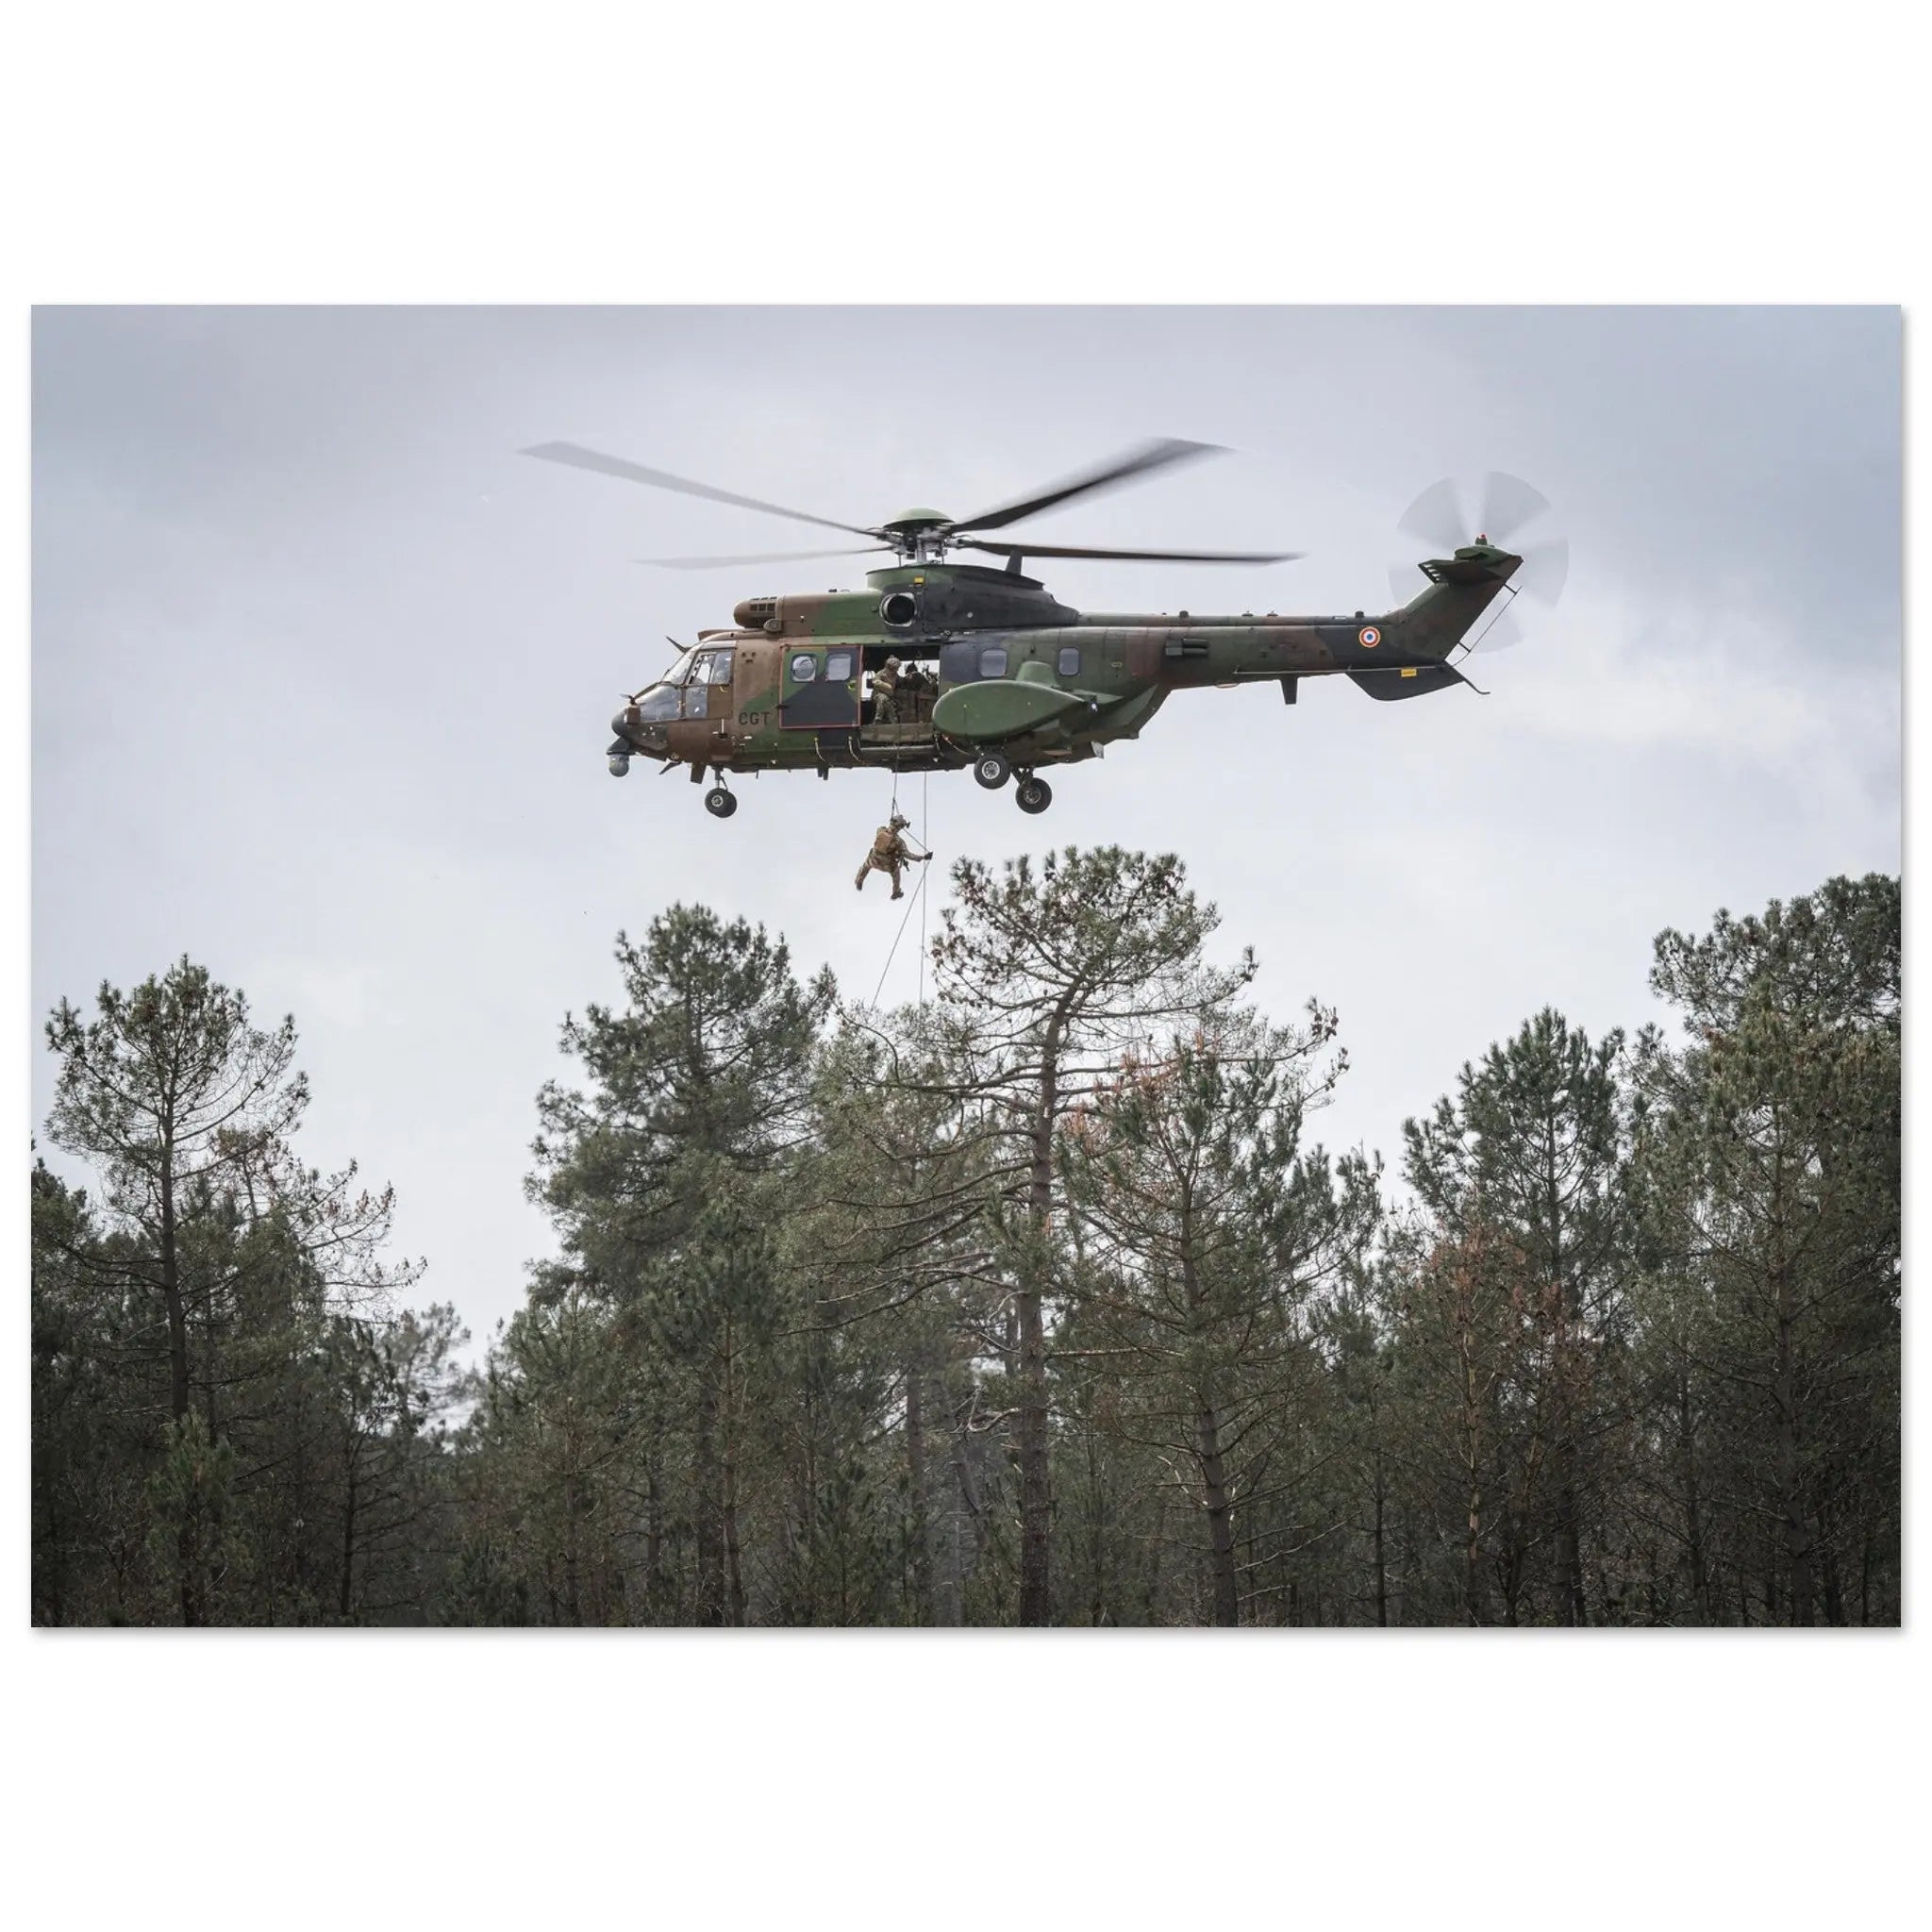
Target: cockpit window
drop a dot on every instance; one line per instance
(804, 667)
(658, 704)
(714, 667)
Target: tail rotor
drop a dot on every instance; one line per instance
(1454, 512)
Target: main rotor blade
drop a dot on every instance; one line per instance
(1438, 519)
(1131, 555)
(752, 557)
(578, 457)
(1136, 462)
(1509, 503)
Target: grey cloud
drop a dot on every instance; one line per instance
(322, 668)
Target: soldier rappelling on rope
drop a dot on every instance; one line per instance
(891, 854)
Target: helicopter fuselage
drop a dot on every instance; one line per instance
(1006, 675)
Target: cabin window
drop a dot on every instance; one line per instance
(992, 661)
(1070, 662)
(804, 667)
(838, 666)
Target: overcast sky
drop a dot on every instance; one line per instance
(322, 669)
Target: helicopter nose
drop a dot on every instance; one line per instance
(649, 737)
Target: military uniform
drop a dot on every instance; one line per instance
(889, 854)
(906, 700)
(885, 694)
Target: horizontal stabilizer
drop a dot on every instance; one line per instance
(1407, 681)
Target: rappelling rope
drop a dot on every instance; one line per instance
(918, 897)
(925, 839)
(918, 893)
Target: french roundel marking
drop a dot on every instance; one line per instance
(1371, 637)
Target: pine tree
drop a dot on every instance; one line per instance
(667, 1180)
(1049, 977)
(1772, 1153)
(1210, 1232)
(1530, 1149)
(211, 1227)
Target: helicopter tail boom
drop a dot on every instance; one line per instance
(1461, 589)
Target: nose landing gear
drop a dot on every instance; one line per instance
(720, 803)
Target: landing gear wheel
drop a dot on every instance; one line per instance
(720, 803)
(991, 771)
(1034, 795)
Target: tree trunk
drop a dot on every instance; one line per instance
(975, 1513)
(728, 1495)
(1220, 1517)
(1381, 1558)
(653, 1534)
(179, 1390)
(734, 1574)
(187, 1544)
(1797, 1529)
(345, 1594)
(573, 1592)
(1469, 1447)
(924, 1611)
(1207, 1444)
(1096, 1538)
(1036, 1500)
(1573, 1606)
(710, 1548)
(1693, 1511)
(1035, 1496)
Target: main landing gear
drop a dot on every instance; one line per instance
(990, 771)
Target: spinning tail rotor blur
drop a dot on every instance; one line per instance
(1454, 512)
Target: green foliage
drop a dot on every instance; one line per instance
(1768, 1167)
(1034, 1303)
(232, 1423)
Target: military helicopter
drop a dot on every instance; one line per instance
(1006, 680)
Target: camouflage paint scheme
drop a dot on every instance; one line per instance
(1016, 671)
